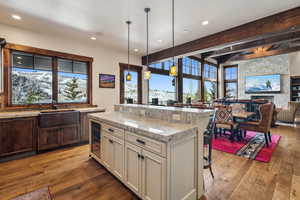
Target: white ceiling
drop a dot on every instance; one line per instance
(81, 19)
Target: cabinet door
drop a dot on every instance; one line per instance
(69, 135)
(84, 129)
(107, 151)
(132, 174)
(118, 158)
(153, 176)
(48, 138)
(17, 135)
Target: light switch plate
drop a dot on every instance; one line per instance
(176, 117)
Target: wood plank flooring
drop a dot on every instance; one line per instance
(71, 175)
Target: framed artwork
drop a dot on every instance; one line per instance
(107, 81)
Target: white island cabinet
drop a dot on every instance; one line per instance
(157, 160)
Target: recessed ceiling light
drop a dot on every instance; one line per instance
(93, 38)
(204, 23)
(136, 50)
(160, 41)
(16, 17)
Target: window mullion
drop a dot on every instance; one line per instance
(54, 80)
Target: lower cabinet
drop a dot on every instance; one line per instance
(113, 155)
(49, 138)
(17, 135)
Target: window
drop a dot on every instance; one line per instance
(191, 89)
(210, 91)
(210, 82)
(72, 81)
(43, 79)
(165, 65)
(191, 66)
(230, 81)
(31, 79)
(162, 87)
(131, 87)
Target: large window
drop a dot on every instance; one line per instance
(231, 81)
(72, 81)
(165, 65)
(191, 89)
(42, 79)
(191, 72)
(210, 82)
(31, 79)
(162, 87)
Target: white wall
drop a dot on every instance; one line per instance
(106, 59)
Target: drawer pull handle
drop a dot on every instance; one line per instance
(140, 141)
(110, 130)
(139, 155)
(111, 141)
(142, 157)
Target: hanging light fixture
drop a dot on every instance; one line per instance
(128, 75)
(173, 68)
(147, 73)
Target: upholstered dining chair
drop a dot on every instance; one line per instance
(288, 115)
(263, 125)
(207, 145)
(224, 121)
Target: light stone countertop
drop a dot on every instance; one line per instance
(35, 113)
(168, 108)
(152, 128)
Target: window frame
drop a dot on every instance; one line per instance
(231, 80)
(216, 81)
(9, 48)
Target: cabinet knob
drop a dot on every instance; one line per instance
(111, 141)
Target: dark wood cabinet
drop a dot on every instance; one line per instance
(49, 138)
(17, 135)
(84, 128)
(70, 135)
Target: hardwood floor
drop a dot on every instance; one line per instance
(71, 174)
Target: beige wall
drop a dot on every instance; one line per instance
(106, 59)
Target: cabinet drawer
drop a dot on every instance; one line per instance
(113, 131)
(147, 143)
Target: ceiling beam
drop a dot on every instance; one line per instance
(292, 36)
(274, 24)
(263, 54)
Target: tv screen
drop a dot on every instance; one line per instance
(263, 84)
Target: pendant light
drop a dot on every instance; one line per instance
(128, 75)
(173, 68)
(147, 73)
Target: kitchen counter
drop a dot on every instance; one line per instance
(35, 113)
(152, 128)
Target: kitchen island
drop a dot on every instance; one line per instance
(155, 151)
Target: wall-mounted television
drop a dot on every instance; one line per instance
(263, 84)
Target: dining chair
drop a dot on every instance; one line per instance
(263, 125)
(207, 145)
(224, 121)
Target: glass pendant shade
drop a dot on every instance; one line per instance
(147, 75)
(128, 77)
(173, 70)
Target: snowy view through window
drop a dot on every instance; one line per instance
(72, 87)
(31, 86)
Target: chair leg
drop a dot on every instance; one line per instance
(270, 137)
(211, 172)
(266, 139)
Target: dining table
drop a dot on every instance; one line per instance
(240, 117)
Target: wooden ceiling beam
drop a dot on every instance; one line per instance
(279, 23)
(292, 36)
(263, 54)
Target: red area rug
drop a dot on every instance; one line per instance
(252, 147)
